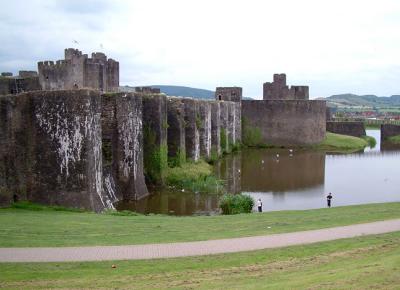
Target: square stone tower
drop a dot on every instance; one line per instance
(232, 94)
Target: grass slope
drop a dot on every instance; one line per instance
(27, 228)
(366, 262)
(341, 143)
(394, 139)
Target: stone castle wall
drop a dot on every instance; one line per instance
(78, 71)
(389, 131)
(52, 149)
(25, 81)
(356, 129)
(286, 122)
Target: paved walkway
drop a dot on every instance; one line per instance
(153, 251)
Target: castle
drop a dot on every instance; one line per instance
(70, 143)
(77, 71)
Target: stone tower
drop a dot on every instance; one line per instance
(78, 71)
(233, 94)
(278, 90)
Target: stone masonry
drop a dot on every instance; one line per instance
(176, 131)
(122, 144)
(388, 130)
(155, 125)
(71, 148)
(232, 94)
(205, 129)
(356, 129)
(25, 81)
(278, 90)
(78, 71)
(192, 123)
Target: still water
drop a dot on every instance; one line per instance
(300, 179)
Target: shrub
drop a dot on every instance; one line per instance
(236, 203)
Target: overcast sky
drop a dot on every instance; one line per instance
(332, 46)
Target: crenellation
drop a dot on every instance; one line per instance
(278, 90)
(77, 71)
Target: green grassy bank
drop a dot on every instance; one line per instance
(40, 228)
(341, 143)
(366, 262)
(394, 139)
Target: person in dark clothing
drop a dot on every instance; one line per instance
(328, 199)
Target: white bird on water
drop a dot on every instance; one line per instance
(277, 155)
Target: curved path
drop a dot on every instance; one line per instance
(153, 251)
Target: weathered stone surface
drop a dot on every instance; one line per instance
(215, 128)
(224, 106)
(123, 146)
(53, 150)
(288, 122)
(192, 122)
(155, 136)
(231, 94)
(67, 167)
(18, 84)
(238, 123)
(205, 129)
(389, 131)
(356, 129)
(176, 131)
(16, 151)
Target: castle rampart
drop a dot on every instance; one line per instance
(77, 71)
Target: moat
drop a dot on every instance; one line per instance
(287, 180)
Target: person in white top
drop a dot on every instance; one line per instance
(259, 205)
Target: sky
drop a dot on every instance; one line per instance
(332, 46)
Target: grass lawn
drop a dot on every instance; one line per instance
(29, 228)
(369, 262)
(341, 143)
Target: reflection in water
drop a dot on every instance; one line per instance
(174, 202)
(281, 170)
(293, 180)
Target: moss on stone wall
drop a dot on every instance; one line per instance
(178, 160)
(224, 140)
(251, 135)
(155, 157)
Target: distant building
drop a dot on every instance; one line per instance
(78, 71)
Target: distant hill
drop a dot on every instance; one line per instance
(365, 100)
(179, 91)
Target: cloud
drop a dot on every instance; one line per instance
(329, 45)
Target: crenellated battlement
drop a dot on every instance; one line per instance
(78, 71)
(278, 90)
